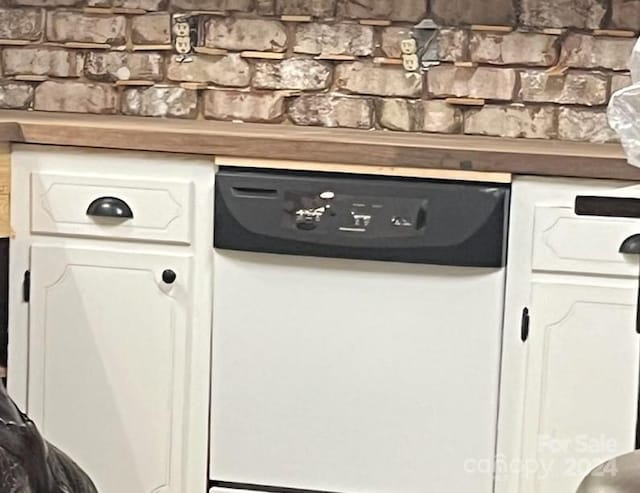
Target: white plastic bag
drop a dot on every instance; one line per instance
(624, 118)
(624, 112)
(634, 63)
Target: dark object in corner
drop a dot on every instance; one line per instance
(4, 300)
(618, 475)
(28, 464)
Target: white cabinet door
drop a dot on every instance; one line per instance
(107, 363)
(581, 387)
(569, 393)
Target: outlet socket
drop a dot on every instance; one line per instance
(409, 46)
(181, 28)
(182, 44)
(411, 63)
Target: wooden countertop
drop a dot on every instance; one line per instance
(349, 147)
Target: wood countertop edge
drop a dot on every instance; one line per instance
(374, 148)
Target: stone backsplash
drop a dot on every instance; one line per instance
(541, 69)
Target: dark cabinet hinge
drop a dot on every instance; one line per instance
(26, 287)
(524, 325)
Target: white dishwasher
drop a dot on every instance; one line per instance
(357, 333)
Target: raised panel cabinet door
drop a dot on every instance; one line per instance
(581, 393)
(107, 362)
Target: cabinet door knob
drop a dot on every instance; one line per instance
(169, 276)
(110, 207)
(631, 245)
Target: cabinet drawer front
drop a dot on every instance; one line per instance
(564, 242)
(161, 210)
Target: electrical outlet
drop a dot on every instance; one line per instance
(182, 44)
(409, 46)
(411, 63)
(181, 28)
(186, 32)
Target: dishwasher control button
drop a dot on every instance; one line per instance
(307, 219)
(400, 221)
(361, 220)
(328, 195)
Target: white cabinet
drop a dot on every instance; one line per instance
(107, 362)
(569, 393)
(110, 355)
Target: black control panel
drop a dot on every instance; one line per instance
(361, 217)
(355, 215)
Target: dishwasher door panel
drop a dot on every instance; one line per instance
(354, 376)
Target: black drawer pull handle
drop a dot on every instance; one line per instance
(631, 246)
(524, 325)
(607, 206)
(110, 207)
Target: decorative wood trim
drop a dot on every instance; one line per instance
(465, 101)
(14, 42)
(10, 132)
(615, 33)
(5, 169)
(134, 83)
(374, 148)
(387, 61)
(375, 22)
(465, 64)
(5, 216)
(339, 58)
(399, 171)
(269, 55)
(194, 86)
(30, 78)
(296, 18)
(200, 12)
(87, 46)
(210, 51)
(494, 29)
(152, 47)
(5, 190)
